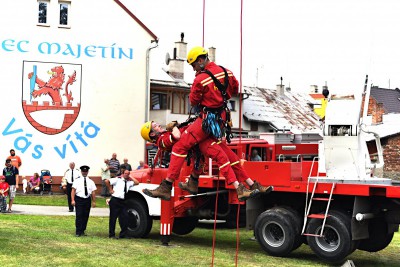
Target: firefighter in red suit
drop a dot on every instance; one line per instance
(212, 87)
(229, 165)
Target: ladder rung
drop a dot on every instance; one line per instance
(317, 216)
(321, 198)
(312, 235)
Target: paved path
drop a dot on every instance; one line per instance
(54, 210)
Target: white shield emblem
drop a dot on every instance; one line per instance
(51, 95)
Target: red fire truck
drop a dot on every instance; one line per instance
(325, 193)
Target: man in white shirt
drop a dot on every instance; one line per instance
(118, 187)
(69, 177)
(83, 193)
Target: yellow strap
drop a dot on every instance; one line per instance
(204, 82)
(218, 76)
(225, 165)
(179, 155)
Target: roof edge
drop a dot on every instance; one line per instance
(136, 19)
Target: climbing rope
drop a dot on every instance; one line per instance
(240, 138)
(215, 223)
(240, 128)
(204, 14)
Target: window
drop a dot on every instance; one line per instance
(254, 126)
(257, 153)
(64, 11)
(180, 103)
(42, 14)
(158, 101)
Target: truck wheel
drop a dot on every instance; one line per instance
(139, 220)
(392, 216)
(336, 244)
(378, 236)
(184, 225)
(297, 222)
(273, 231)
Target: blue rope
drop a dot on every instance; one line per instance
(211, 126)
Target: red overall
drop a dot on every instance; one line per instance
(203, 93)
(241, 174)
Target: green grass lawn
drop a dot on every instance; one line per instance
(30, 240)
(50, 241)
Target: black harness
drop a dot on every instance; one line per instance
(213, 120)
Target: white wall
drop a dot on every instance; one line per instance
(112, 89)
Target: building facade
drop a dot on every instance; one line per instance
(72, 73)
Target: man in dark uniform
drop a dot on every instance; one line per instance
(83, 193)
(118, 187)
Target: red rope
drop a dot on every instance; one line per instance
(204, 16)
(215, 223)
(237, 235)
(240, 127)
(240, 71)
(240, 136)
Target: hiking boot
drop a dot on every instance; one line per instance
(192, 186)
(261, 188)
(244, 193)
(163, 191)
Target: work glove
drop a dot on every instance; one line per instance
(171, 125)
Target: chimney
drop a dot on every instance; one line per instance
(211, 53)
(177, 63)
(313, 89)
(280, 89)
(181, 48)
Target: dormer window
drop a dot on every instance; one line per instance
(42, 15)
(54, 13)
(64, 12)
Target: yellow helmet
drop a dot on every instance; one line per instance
(194, 53)
(145, 131)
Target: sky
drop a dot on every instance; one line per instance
(307, 42)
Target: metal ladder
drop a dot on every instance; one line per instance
(308, 204)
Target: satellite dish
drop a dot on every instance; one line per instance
(167, 58)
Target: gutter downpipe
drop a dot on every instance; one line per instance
(154, 44)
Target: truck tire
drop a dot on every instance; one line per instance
(378, 236)
(392, 216)
(297, 222)
(273, 231)
(184, 225)
(336, 244)
(139, 220)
